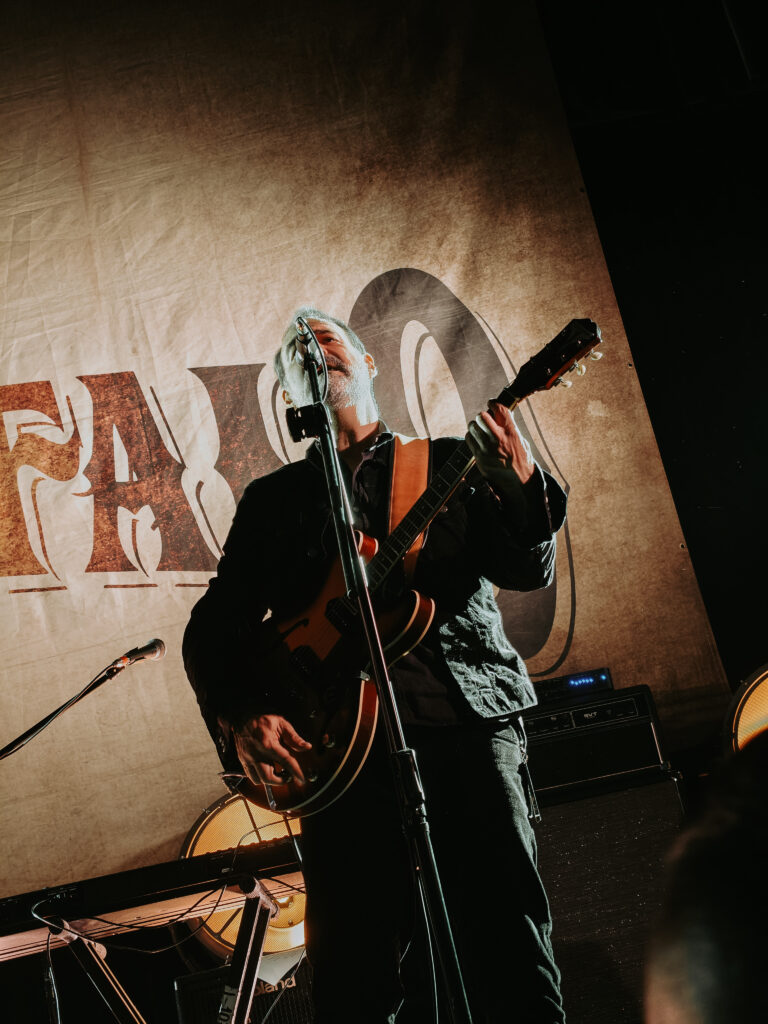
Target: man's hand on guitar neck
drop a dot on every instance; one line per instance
(268, 742)
(502, 454)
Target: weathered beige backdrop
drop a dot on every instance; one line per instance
(175, 179)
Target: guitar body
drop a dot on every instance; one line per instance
(341, 739)
(329, 699)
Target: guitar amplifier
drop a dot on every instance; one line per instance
(602, 861)
(594, 742)
(289, 1001)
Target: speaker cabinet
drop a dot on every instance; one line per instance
(601, 857)
(287, 1002)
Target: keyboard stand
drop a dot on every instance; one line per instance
(92, 957)
(240, 982)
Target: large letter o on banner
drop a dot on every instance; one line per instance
(380, 316)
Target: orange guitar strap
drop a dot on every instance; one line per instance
(410, 475)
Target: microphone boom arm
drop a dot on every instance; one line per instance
(154, 650)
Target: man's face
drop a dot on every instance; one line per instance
(349, 370)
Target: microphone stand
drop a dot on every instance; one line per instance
(107, 673)
(314, 421)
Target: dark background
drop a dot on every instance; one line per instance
(667, 108)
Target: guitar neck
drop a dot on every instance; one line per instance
(421, 514)
(415, 522)
(577, 339)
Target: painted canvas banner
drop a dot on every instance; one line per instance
(175, 181)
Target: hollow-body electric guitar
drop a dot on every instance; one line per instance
(321, 654)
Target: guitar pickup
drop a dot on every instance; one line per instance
(341, 614)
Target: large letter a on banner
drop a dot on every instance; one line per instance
(154, 479)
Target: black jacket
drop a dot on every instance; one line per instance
(278, 554)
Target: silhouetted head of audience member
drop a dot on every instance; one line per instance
(708, 956)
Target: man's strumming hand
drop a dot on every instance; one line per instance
(265, 743)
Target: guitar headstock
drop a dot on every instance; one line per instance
(578, 339)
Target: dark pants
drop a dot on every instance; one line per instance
(362, 910)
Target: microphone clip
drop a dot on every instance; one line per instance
(304, 421)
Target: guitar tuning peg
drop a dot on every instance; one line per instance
(595, 355)
(580, 369)
(561, 382)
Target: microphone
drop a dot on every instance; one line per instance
(304, 336)
(154, 651)
(303, 330)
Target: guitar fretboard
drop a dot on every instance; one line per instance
(421, 514)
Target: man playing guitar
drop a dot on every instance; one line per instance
(460, 691)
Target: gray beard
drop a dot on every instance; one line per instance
(347, 389)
